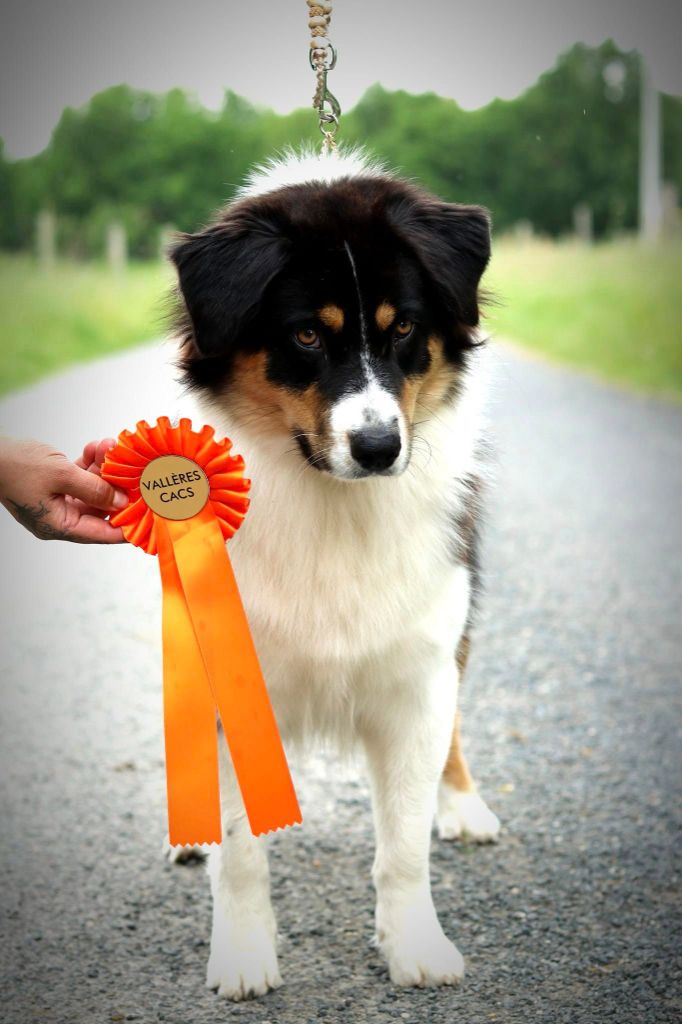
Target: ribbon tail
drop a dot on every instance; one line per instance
(234, 673)
(190, 725)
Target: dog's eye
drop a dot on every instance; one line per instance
(308, 337)
(403, 329)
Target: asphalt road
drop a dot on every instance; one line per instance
(572, 721)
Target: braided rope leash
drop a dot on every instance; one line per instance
(322, 61)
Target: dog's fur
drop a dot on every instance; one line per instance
(329, 327)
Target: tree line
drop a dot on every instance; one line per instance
(148, 160)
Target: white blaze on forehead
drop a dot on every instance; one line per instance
(363, 322)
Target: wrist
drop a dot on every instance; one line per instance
(6, 445)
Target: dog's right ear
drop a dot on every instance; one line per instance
(223, 273)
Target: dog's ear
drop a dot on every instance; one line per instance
(452, 242)
(223, 273)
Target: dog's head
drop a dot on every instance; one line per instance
(334, 310)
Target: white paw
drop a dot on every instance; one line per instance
(243, 961)
(465, 814)
(423, 959)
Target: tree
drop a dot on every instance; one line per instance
(151, 160)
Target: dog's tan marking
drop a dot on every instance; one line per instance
(385, 315)
(332, 317)
(462, 655)
(456, 772)
(258, 396)
(250, 387)
(305, 410)
(430, 389)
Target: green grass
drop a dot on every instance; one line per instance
(73, 312)
(614, 308)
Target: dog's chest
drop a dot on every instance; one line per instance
(339, 572)
(335, 572)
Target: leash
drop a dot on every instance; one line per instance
(322, 61)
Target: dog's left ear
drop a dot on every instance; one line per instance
(452, 242)
(223, 273)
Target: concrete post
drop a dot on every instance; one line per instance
(582, 223)
(167, 234)
(650, 208)
(117, 247)
(46, 239)
(671, 222)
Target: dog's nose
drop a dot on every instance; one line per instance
(376, 448)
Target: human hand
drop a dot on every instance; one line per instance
(56, 499)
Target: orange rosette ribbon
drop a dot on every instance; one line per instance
(188, 495)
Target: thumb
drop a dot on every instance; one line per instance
(91, 489)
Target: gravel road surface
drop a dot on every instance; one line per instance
(571, 719)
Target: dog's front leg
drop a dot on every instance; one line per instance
(407, 746)
(243, 959)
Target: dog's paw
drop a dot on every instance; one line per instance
(243, 962)
(465, 815)
(184, 854)
(423, 960)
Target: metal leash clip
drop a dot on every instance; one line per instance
(327, 106)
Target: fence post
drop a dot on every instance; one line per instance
(46, 234)
(582, 222)
(167, 235)
(117, 247)
(671, 210)
(523, 231)
(649, 158)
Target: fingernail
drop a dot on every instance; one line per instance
(120, 499)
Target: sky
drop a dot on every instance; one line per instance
(57, 53)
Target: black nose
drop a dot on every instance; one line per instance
(375, 448)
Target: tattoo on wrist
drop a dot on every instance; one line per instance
(33, 518)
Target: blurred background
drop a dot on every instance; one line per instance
(124, 123)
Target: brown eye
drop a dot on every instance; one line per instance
(403, 329)
(308, 337)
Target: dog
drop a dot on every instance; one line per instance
(329, 325)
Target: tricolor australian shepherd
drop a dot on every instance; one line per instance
(329, 326)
